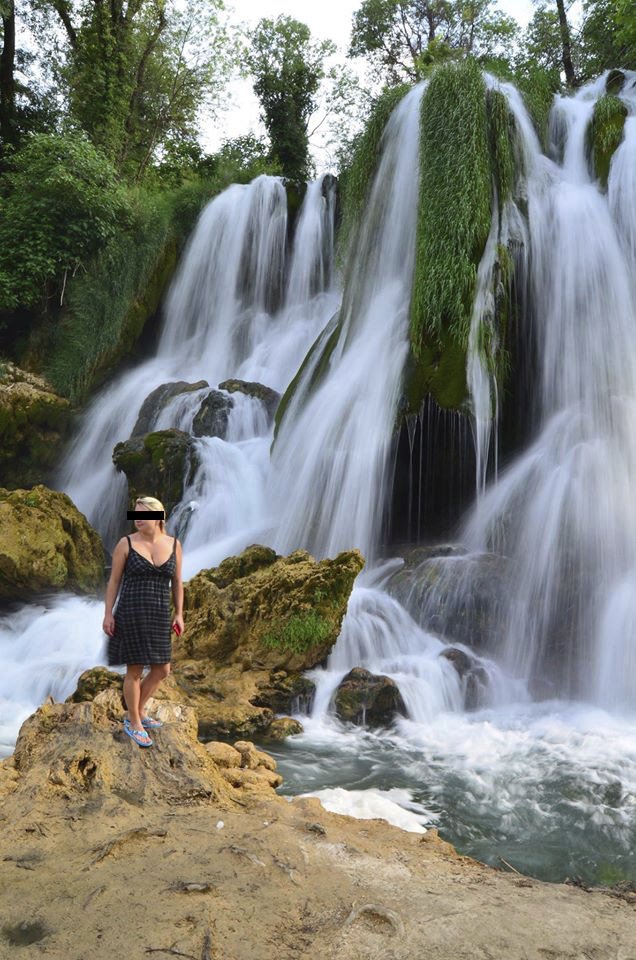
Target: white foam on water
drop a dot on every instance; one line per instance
(395, 806)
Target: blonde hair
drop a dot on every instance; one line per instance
(153, 504)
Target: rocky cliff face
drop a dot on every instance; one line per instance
(180, 850)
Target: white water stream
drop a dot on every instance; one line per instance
(561, 519)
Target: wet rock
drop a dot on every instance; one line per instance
(46, 544)
(268, 397)
(156, 401)
(454, 594)
(368, 699)
(212, 416)
(615, 82)
(33, 422)
(158, 463)
(288, 693)
(283, 727)
(473, 676)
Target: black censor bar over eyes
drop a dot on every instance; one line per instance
(146, 515)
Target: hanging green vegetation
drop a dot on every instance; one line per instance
(605, 133)
(455, 205)
(501, 133)
(355, 179)
(110, 301)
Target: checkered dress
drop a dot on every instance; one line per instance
(142, 615)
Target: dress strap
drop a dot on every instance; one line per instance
(174, 546)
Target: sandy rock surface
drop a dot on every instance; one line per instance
(108, 851)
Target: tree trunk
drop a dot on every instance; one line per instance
(7, 76)
(566, 44)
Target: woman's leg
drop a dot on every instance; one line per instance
(132, 693)
(157, 673)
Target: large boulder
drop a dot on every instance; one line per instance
(157, 463)
(158, 399)
(253, 625)
(212, 416)
(33, 423)
(268, 397)
(46, 544)
(453, 593)
(368, 699)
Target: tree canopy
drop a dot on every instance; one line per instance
(287, 67)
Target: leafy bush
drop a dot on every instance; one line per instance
(60, 203)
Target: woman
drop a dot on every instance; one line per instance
(139, 627)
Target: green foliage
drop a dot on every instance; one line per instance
(605, 133)
(455, 203)
(287, 68)
(109, 302)
(538, 88)
(407, 38)
(355, 179)
(501, 133)
(60, 203)
(134, 77)
(299, 632)
(608, 36)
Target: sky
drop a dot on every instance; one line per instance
(327, 20)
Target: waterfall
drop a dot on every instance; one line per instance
(240, 306)
(330, 477)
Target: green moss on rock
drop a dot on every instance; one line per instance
(33, 422)
(156, 465)
(605, 133)
(46, 544)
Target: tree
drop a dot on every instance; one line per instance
(404, 38)
(135, 72)
(7, 74)
(60, 203)
(287, 68)
(608, 36)
(566, 44)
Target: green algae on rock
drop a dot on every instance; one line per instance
(158, 462)
(46, 544)
(33, 422)
(233, 663)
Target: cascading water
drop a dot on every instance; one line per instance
(540, 595)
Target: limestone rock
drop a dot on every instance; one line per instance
(268, 397)
(368, 699)
(283, 727)
(223, 754)
(253, 624)
(212, 416)
(33, 422)
(79, 750)
(93, 681)
(158, 462)
(158, 399)
(46, 544)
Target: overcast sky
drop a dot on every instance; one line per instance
(327, 20)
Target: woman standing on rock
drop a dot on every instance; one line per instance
(139, 626)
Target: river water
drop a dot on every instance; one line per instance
(549, 785)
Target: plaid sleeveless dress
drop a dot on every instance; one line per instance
(142, 614)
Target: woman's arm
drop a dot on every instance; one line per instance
(177, 589)
(120, 555)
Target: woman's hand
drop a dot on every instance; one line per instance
(177, 625)
(108, 626)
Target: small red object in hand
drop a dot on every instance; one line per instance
(177, 629)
